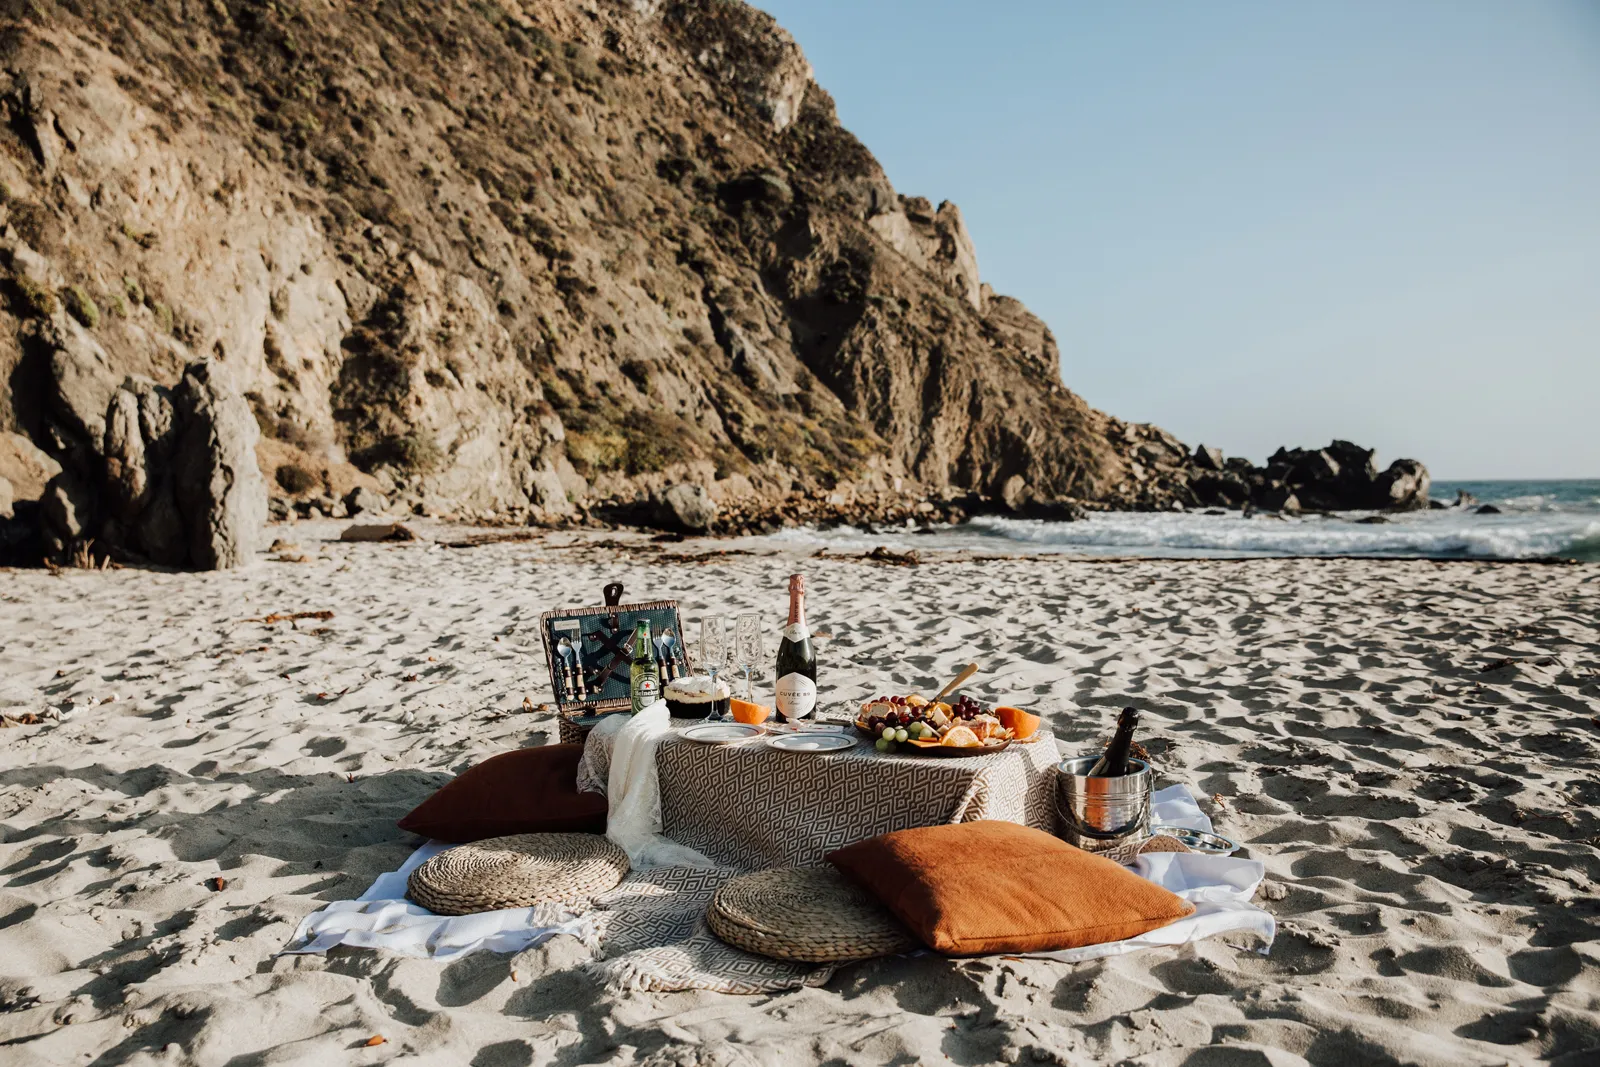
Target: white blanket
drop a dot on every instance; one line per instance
(382, 917)
(1220, 887)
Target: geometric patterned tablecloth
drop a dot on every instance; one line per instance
(751, 806)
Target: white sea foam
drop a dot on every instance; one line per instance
(1507, 536)
(1547, 502)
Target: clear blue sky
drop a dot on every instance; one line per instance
(1265, 223)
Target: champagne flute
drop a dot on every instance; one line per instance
(747, 649)
(713, 647)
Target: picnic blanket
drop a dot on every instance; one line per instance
(650, 932)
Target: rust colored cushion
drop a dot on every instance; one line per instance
(971, 889)
(529, 791)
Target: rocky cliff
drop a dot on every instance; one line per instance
(491, 256)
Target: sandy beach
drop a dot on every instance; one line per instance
(1410, 748)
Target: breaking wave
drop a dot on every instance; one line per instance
(1536, 520)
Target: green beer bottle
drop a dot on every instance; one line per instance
(644, 686)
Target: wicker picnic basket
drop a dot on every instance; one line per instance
(589, 653)
(804, 914)
(518, 871)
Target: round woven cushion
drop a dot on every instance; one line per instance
(518, 871)
(806, 914)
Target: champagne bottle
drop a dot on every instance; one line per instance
(797, 663)
(644, 682)
(1114, 764)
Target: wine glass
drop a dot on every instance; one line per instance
(747, 648)
(713, 647)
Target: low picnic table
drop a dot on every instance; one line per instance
(750, 806)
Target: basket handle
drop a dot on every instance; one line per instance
(613, 595)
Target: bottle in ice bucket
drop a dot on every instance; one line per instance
(1114, 764)
(644, 683)
(1103, 802)
(797, 662)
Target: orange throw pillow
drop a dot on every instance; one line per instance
(529, 791)
(972, 889)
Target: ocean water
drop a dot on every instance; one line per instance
(1538, 519)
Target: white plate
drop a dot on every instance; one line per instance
(812, 741)
(720, 733)
(805, 728)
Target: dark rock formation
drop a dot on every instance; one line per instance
(1340, 477)
(1228, 489)
(362, 500)
(685, 508)
(1403, 487)
(386, 531)
(25, 467)
(1277, 496)
(222, 501)
(1054, 510)
(173, 480)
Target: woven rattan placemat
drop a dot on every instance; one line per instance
(806, 914)
(517, 872)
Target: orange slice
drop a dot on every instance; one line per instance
(961, 737)
(751, 714)
(1018, 721)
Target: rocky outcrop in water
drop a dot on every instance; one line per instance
(1340, 477)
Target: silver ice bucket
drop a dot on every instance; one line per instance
(1102, 814)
